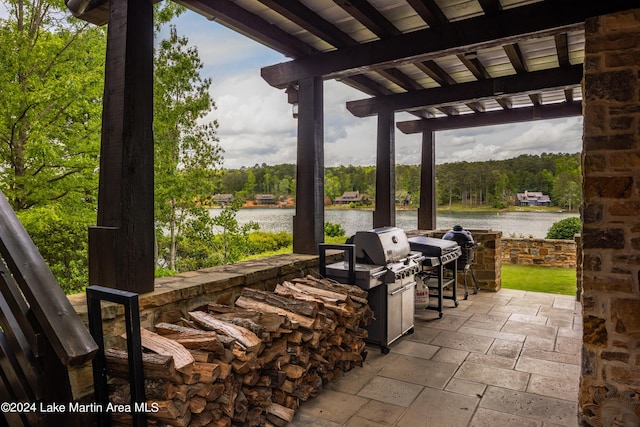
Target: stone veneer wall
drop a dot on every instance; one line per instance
(610, 381)
(487, 264)
(539, 252)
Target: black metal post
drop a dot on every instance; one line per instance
(96, 294)
(350, 258)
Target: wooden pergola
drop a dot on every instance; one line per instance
(450, 63)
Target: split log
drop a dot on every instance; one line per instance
(182, 359)
(154, 365)
(282, 412)
(304, 321)
(242, 335)
(169, 328)
(355, 292)
(209, 372)
(269, 321)
(300, 307)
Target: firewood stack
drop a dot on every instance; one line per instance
(251, 364)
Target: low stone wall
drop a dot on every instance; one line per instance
(539, 252)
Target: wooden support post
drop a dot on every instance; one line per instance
(385, 210)
(427, 208)
(308, 222)
(125, 196)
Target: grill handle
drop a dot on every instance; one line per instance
(350, 257)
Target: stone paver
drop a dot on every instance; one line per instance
(420, 371)
(488, 418)
(530, 405)
(492, 375)
(391, 391)
(510, 358)
(439, 408)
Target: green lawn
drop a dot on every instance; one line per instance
(551, 280)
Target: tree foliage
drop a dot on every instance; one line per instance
(187, 153)
(492, 183)
(50, 115)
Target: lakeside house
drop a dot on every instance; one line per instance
(223, 199)
(348, 197)
(532, 198)
(265, 199)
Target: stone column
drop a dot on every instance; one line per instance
(611, 211)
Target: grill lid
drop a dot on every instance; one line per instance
(381, 245)
(430, 246)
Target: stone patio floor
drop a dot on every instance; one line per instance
(507, 358)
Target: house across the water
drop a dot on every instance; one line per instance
(532, 198)
(348, 197)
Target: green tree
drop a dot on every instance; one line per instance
(51, 80)
(567, 191)
(50, 109)
(232, 240)
(187, 154)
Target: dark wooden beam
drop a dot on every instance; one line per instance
(509, 26)
(369, 16)
(366, 85)
(490, 118)
(490, 7)
(251, 25)
(429, 11)
(308, 222)
(427, 208)
(401, 79)
(478, 107)
(385, 206)
(562, 47)
(474, 65)
(568, 94)
(449, 110)
(306, 18)
(433, 70)
(470, 91)
(125, 227)
(515, 57)
(504, 102)
(536, 98)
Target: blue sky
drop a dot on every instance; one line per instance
(256, 125)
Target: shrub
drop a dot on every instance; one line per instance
(260, 241)
(61, 236)
(565, 229)
(333, 230)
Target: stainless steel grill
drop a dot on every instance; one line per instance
(385, 266)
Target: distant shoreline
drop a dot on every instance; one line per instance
(543, 209)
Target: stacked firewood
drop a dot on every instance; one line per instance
(250, 364)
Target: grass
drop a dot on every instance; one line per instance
(551, 280)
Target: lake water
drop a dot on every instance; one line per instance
(516, 224)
